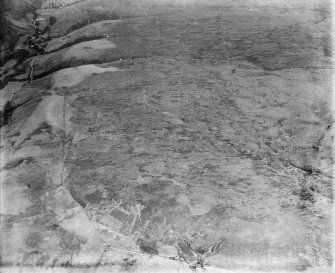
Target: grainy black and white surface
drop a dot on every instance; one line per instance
(166, 136)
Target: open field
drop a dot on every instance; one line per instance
(170, 136)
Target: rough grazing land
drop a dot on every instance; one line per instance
(170, 136)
